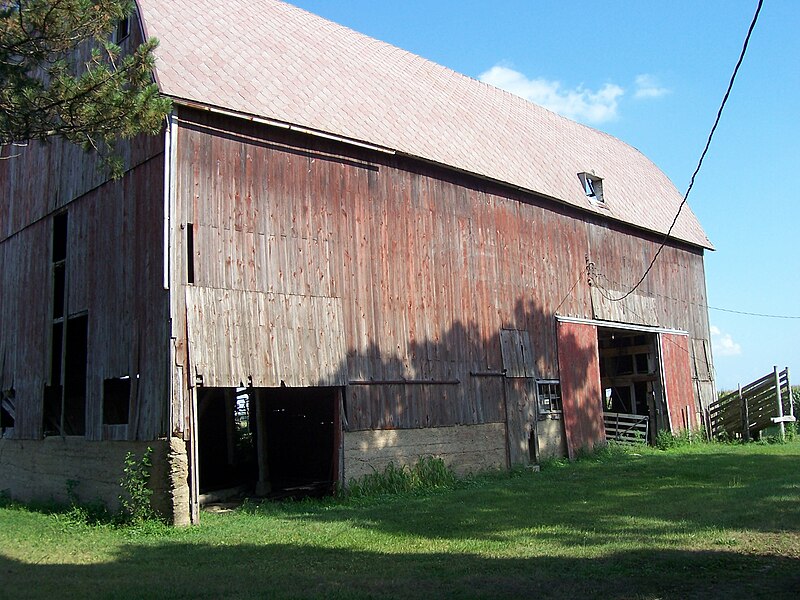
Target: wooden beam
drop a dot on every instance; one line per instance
(263, 487)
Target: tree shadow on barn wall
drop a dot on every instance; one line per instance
(463, 365)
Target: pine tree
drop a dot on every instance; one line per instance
(61, 75)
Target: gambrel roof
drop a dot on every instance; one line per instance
(268, 59)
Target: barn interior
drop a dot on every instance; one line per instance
(630, 376)
(267, 442)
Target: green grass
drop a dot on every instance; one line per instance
(697, 521)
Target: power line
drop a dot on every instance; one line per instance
(753, 314)
(702, 156)
(604, 292)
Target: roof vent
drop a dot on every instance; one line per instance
(592, 187)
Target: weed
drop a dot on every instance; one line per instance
(426, 475)
(666, 440)
(135, 501)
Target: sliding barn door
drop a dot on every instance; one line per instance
(581, 394)
(675, 360)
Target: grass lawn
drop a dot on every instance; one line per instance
(706, 521)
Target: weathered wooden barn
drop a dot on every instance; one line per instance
(338, 254)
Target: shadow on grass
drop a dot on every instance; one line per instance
(625, 500)
(197, 571)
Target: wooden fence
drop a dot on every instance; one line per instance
(760, 404)
(627, 429)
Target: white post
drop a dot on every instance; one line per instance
(780, 402)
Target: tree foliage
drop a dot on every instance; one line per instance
(61, 75)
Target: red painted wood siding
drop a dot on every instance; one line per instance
(430, 265)
(678, 380)
(579, 367)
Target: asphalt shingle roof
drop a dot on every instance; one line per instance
(269, 59)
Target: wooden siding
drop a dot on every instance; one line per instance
(613, 305)
(581, 393)
(45, 177)
(429, 265)
(24, 324)
(114, 267)
(678, 381)
(268, 339)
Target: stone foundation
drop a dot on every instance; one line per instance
(464, 448)
(552, 442)
(44, 471)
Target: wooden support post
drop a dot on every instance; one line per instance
(791, 397)
(336, 463)
(229, 397)
(780, 402)
(263, 487)
(194, 459)
(745, 416)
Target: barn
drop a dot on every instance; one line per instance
(337, 255)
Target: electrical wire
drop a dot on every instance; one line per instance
(604, 292)
(702, 156)
(753, 314)
(581, 276)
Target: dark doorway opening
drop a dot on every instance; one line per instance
(630, 375)
(272, 442)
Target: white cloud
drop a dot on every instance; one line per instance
(579, 104)
(723, 343)
(648, 86)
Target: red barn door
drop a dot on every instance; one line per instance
(581, 394)
(675, 359)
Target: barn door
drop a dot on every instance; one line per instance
(520, 391)
(581, 393)
(675, 359)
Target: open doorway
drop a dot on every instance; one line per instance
(272, 442)
(630, 375)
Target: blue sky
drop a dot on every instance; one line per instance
(653, 74)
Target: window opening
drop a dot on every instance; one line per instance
(549, 393)
(59, 289)
(592, 187)
(60, 237)
(75, 359)
(51, 410)
(56, 346)
(189, 253)
(7, 411)
(116, 401)
(122, 30)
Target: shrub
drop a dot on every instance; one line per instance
(135, 501)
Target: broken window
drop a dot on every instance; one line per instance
(7, 411)
(592, 187)
(549, 393)
(64, 399)
(116, 401)
(60, 238)
(122, 30)
(75, 358)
